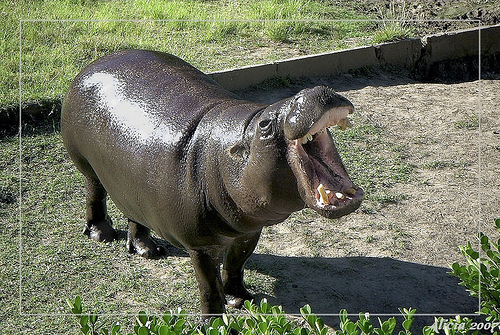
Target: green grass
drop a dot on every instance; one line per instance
(59, 38)
(393, 31)
(207, 34)
(469, 123)
(395, 26)
(440, 165)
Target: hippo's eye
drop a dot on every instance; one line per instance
(266, 128)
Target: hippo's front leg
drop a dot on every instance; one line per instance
(206, 264)
(232, 272)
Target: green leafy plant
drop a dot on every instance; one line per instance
(88, 322)
(266, 319)
(481, 275)
(262, 318)
(365, 325)
(258, 319)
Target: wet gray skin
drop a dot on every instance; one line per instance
(203, 168)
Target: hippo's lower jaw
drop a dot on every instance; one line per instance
(323, 183)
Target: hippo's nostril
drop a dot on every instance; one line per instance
(266, 128)
(265, 123)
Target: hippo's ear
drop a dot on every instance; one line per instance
(239, 150)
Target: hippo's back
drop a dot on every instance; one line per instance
(146, 93)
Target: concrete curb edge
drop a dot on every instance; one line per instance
(418, 54)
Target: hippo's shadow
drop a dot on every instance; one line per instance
(362, 284)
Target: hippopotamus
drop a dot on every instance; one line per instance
(203, 168)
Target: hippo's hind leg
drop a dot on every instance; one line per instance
(232, 272)
(139, 241)
(99, 226)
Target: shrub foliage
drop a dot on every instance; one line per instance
(481, 275)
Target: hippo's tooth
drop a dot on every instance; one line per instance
(306, 138)
(350, 191)
(322, 194)
(339, 195)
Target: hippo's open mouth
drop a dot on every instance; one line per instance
(323, 182)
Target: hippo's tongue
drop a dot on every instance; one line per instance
(321, 177)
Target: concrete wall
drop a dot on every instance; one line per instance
(413, 54)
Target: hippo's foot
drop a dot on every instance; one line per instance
(101, 231)
(145, 247)
(236, 296)
(139, 241)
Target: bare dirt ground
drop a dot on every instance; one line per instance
(398, 256)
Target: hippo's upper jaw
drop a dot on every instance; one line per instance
(323, 182)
